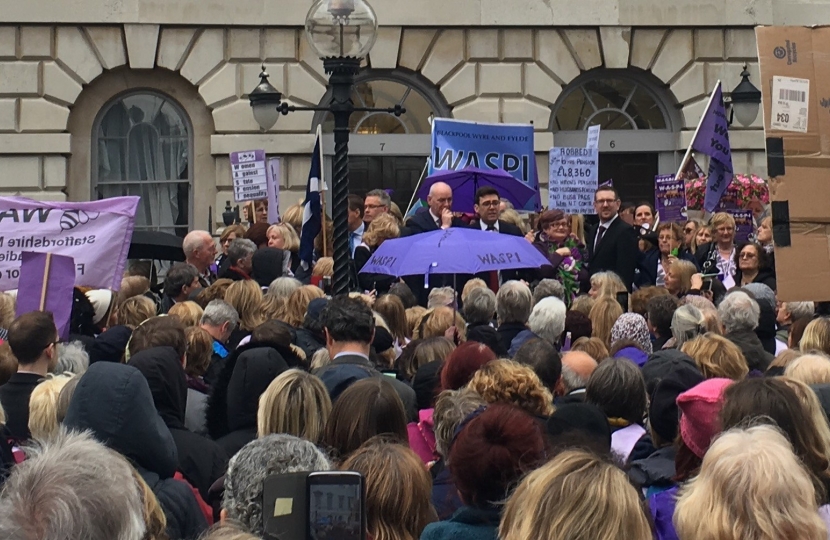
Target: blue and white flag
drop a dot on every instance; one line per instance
(712, 139)
(312, 209)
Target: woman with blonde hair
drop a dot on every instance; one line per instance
(679, 277)
(703, 235)
(809, 369)
(816, 336)
(413, 317)
(199, 354)
(718, 256)
(282, 236)
(296, 403)
(583, 304)
(583, 497)
(593, 347)
(506, 381)
(324, 267)
(297, 304)
(717, 357)
(245, 296)
(435, 323)
(606, 284)
(293, 216)
(382, 228)
(603, 315)
(43, 406)
(390, 307)
(189, 313)
(134, 311)
(393, 513)
(751, 486)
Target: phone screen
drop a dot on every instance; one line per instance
(335, 506)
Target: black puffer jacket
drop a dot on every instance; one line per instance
(233, 404)
(114, 402)
(201, 460)
(756, 357)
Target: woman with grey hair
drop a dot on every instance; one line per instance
(451, 408)
(686, 324)
(480, 307)
(240, 260)
(282, 287)
(740, 315)
(513, 305)
(547, 321)
(259, 459)
(72, 358)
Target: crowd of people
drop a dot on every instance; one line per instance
(646, 383)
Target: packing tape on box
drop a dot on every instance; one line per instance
(781, 222)
(775, 157)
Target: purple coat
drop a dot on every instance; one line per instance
(662, 511)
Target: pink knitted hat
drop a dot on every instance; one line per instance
(699, 409)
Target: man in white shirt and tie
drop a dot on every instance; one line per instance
(439, 215)
(612, 244)
(487, 208)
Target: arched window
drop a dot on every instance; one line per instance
(387, 88)
(141, 146)
(614, 100)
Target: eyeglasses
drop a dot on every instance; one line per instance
(489, 204)
(373, 206)
(601, 202)
(558, 225)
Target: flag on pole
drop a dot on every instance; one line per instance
(312, 209)
(712, 139)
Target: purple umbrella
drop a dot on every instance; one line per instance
(465, 183)
(453, 251)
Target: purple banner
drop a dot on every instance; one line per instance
(670, 198)
(58, 271)
(713, 140)
(743, 224)
(96, 234)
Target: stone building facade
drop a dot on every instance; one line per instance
(108, 97)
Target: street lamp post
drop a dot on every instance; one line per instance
(341, 32)
(745, 100)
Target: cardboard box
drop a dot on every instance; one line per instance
(795, 85)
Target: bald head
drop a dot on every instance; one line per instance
(439, 198)
(199, 249)
(577, 368)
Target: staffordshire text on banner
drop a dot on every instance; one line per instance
(457, 144)
(96, 234)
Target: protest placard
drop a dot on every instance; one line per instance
(743, 225)
(250, 179)
(457, 144)
(273, 171)
(593, 137)
(96, 234)
(573, 179)
(46, 283)
(670, 198)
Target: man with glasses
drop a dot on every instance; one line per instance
(377, 202)
(612, 243)
(487, 208)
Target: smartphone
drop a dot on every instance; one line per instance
(325, 284)
(622, 300)
(336, 506)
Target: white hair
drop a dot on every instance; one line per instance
(801, 310)
(219, 312)
(739, 312)
(547, 320)
(72, 487)
(193, 241)
(571, 380)
(283, 286)
(72, 358)
(441, 297)
(434, 187)
(480, 306)
(686, 324)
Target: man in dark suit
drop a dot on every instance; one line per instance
(350, 328)
(438, 216)
(487, 204)
(612, 243)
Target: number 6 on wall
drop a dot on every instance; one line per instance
(612, 144)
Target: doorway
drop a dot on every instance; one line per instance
(633, 174)
(400, 174)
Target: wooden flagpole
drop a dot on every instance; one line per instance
(46, 271)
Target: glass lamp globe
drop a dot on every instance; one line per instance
(264, 101)
(341, 28)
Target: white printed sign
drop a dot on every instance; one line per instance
(250, 179)
(593, 137)
(573, 179)
(790, 104)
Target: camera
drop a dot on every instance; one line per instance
(326, 505)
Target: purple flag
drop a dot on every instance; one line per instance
(712, 139)
(46, 283)
(96, 234)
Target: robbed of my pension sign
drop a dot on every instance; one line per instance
(573, 179)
